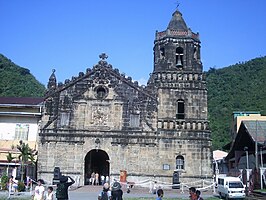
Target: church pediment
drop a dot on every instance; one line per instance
(101, 97)
(97, 82)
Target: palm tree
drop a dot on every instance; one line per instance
(26, 155)
(9, 158)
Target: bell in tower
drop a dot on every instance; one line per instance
(179, 57)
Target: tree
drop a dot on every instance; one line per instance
(26, 156)
(9, 158)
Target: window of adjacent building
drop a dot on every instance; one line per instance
(180, 162)
(180, 110)
(21, 131)
(134, 120)
(64, 119)
(179, 57)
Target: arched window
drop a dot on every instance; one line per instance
(180, 162)
(180, 109)
(179, 57)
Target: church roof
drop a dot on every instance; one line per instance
(102, 70)
(177, 22)
(21, 100)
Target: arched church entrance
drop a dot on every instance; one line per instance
(96, 161)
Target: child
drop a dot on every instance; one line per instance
(49, 195)
(39, 190)
(160, 194)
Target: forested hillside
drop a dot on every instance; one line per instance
(240, 87)
(17, 81)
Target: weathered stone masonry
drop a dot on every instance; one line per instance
(103, 121)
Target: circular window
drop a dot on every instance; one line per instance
(101, 92)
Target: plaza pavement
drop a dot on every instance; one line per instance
(90, 192)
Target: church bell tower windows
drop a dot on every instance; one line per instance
(179, 56)
(180, 109)
(162, 52)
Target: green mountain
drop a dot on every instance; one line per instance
(17, 81)
(239, 87)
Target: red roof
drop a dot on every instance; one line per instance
(21, 100)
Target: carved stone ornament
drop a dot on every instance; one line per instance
(100, 115)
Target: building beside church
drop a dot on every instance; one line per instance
(19, 121)
(103, 121)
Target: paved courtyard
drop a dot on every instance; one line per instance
(91, 193)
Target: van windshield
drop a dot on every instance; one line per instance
(235, 185)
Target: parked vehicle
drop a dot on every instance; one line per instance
(230, 188)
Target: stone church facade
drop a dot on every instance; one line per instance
(103, 121)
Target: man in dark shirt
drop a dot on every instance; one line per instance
(117, 193)
(62, 188)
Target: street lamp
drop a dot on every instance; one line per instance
(246, 150)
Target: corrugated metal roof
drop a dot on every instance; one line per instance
(256, 129)
(21, 100)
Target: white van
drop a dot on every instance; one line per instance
(230, 188)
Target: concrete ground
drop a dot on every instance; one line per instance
(89, 192)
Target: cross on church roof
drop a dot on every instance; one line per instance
(103, 56)
(177, 4)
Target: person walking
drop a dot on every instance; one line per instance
(62, 187)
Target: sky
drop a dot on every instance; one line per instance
(69, 35)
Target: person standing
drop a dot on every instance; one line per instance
(102, 179)
(49, 195)
(160, 194)
(105, 193)
(192, 193)
(62, 188)
(96, 178)
(92, 178)
(39, 190)
(198, 195)
(107, 179)
(117, 193)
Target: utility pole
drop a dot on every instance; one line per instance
(256, 147)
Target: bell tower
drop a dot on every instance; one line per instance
(177, 48)
(181, 91)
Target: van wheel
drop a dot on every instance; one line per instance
(226, 197)
(220, 195)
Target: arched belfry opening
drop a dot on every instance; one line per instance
(96, 160)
